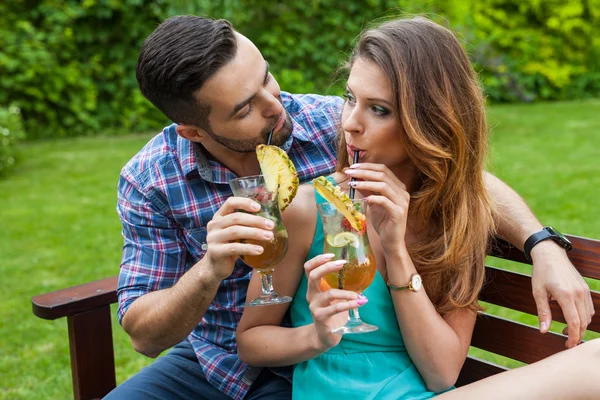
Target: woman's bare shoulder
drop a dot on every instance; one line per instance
(304, 205)
(304, 200)
(339, 177)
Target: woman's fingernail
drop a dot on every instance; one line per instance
(340, 262)
(353, 184)
(362, 301)
(327, 256)
(357, 165)
(350, 172)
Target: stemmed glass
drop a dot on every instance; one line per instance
(254, 187)
(353, 246)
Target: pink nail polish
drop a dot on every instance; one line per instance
(357, 165)
(362, 301)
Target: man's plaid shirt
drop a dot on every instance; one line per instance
(167, 194)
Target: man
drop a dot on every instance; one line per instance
(182, 283)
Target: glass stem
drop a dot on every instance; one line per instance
(266, 280)
(353, 316)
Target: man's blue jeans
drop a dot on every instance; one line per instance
(177, 375)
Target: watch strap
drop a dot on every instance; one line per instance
(547, 233)
(397, 288)
(411, 284)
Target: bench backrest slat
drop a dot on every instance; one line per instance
(475, 369)
(513, 290)
(515, 340)
(585, 255)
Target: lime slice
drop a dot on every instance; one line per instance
(343, 239)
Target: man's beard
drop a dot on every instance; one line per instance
(249, 145)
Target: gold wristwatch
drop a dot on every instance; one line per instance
(415, 284)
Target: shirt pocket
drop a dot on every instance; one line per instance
(196, 242)
(197, 247)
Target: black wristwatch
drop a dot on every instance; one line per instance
(546, 233)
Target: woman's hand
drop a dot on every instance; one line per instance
(329, 308)
(388, 201)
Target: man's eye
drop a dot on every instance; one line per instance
(244, 115)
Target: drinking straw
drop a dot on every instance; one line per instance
(269, 138)
(356, 154)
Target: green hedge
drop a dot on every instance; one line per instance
(11, 130)
(70, 64)
(535, 50)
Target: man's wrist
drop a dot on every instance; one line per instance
(547, 248)
(546, 234)
(204, 272)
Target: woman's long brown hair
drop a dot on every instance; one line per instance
(439, 103)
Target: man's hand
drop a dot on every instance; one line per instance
(227, 230)
(555, 278)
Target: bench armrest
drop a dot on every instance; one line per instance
(76, 299)
(87, 309)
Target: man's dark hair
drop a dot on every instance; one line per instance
(178, 58)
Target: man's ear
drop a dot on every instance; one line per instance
(190, 132)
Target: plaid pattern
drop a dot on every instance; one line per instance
(167, 194)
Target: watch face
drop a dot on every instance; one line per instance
(564, 241)
(416, 282)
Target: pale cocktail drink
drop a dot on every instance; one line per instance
(253, 187)
(350, 242)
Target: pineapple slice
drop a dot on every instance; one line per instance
(280, 171)
(333, 194)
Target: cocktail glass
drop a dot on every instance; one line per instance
(254, 187)
(353, 246)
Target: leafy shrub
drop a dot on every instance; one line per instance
(530, 50)
(69, 65)
(11, 131)
(523, 50)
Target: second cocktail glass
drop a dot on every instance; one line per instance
(254, 187)
(353, 246)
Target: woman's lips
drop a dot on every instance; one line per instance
(352, 151)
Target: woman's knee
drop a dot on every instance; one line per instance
(589, 350)
(593, 347)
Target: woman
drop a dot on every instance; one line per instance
(415, 114)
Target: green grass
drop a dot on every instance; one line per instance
(58, 225)
(58, 228)
(549, 154)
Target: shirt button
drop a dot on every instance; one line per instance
(204, 246)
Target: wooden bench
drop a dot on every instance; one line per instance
(87, 309)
